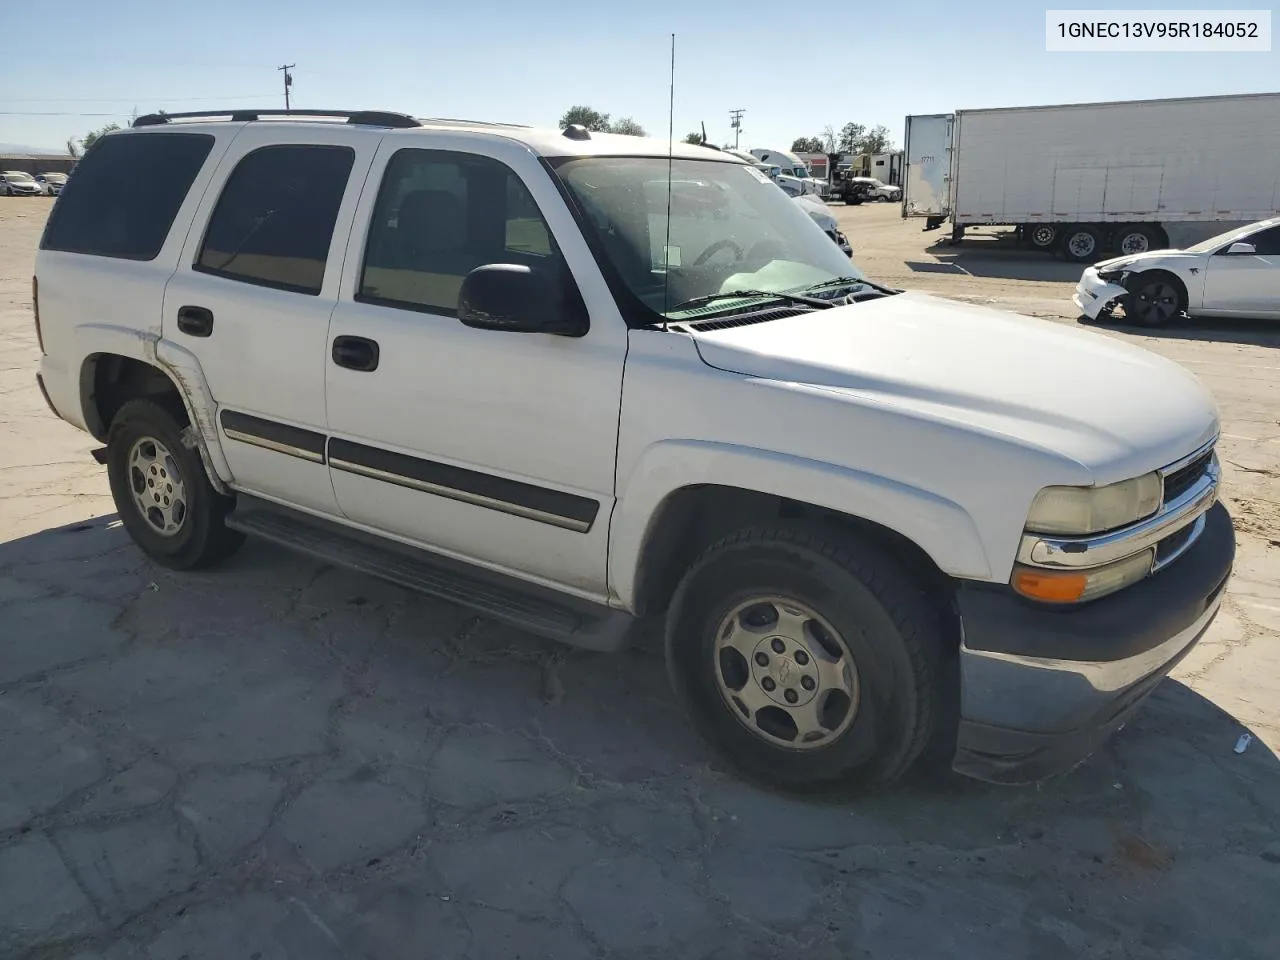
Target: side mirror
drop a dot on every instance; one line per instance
(519, 299)
(1241, 248)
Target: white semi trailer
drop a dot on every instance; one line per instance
(1085, 179)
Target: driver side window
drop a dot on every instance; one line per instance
(438, 216)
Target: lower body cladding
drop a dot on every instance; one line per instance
(1043, 687)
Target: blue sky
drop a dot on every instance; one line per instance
(794, 68)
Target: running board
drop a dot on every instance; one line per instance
(527, 606)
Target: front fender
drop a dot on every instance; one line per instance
(941, 528)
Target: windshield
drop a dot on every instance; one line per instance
(1223, 239)
(55, 177)
(731, 229)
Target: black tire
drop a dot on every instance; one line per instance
(1155, 299)
(200, 537)
(1136, 238)
(1081, 243)
(1041, 236)
(888, 627)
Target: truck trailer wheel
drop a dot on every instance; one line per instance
(1041, 236)
(1137, 238)
(1081, 244)
(806, 658)
(161, 491)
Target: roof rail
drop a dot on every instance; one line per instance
(373, 118)
(449, 121)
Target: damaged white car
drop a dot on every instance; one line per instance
(1235, 274)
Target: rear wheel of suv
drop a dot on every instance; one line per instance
(162, 492)
(809, 660)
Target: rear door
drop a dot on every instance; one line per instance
(251, 298)
(927, 185)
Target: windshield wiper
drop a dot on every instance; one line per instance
(748, 294)
(852, 281)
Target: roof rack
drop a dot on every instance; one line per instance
(449, 121)
(373, 118)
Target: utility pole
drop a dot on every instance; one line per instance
(735, 122)
(288, 82)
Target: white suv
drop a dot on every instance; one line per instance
(483, 362)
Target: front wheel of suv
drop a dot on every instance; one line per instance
(162, 492)
(808, 659)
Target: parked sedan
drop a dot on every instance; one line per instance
(1235, 274)
(818, 212)
(51, 184)
(15, 183)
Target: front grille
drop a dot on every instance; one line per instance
(1171, 544)
(1184, 478)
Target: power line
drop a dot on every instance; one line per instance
(132, 100)
(54, 113)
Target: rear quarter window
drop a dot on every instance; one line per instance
(125, 194)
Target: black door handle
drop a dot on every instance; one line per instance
(195, 321)
(355, 353)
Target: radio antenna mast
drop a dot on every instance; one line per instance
(671, 133)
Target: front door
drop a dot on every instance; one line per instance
(494, 447)
(1245, 284)
(253, 292)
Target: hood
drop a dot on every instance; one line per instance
(1116, 409)
(1116, 263)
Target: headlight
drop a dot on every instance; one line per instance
(1077, 586)
(1085, 510)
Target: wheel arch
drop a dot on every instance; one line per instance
(658, 528)
(171, 376)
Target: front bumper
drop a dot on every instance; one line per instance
(1095, 296)
(1043, 687)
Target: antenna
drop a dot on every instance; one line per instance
(704, 131)
(671, 133)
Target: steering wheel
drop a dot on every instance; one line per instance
(715, 248)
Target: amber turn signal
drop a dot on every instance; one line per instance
(1050, 586)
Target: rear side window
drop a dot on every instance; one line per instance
(124, 194)
(274, 221)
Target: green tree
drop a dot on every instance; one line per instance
(851, 137)
(694, 138)
(91, 137)
(876, 140)
(584, 116)
(627, 127)
(806, 145)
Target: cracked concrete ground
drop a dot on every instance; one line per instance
(282, 760)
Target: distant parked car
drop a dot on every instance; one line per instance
(878, 189)
(19, 184)
(1235, 274)
(51, 184)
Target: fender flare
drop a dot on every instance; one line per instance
(939, 527)
(181, 366)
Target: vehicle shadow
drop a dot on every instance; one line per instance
(359, 690)
(996, 257)
(1251, 332)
